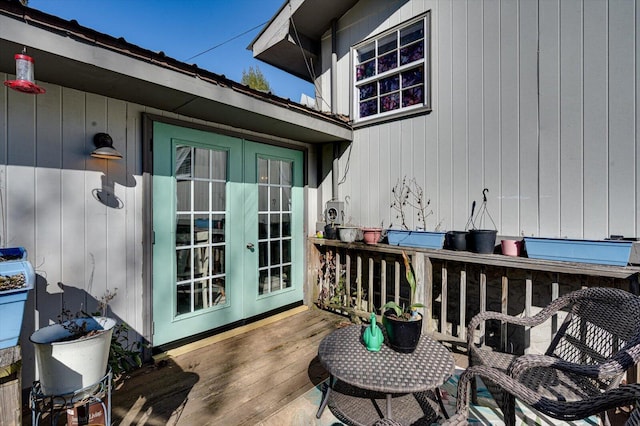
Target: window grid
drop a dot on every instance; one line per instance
(390, 72)
(274, 241)
(200, 243)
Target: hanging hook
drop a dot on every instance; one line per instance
(484, 195)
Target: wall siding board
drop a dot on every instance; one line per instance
(460, 104)
(622, 64)
(527, 195)
(549, 169)
(595, 121)
(486, 164)
(503, 184)
(571, 124)
(116, 179)
(475, 75)
(443, 61)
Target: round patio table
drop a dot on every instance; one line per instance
(360, 377)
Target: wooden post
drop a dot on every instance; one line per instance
(10, 386)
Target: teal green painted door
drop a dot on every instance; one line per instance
(273, 212)
(222, 251)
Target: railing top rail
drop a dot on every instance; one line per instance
(624, 272)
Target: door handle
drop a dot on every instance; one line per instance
(250, 246)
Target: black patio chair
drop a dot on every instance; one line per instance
(598, 341)
(568, 410)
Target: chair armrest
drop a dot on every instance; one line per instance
(532, 321)
(566, 410)
(611, 368)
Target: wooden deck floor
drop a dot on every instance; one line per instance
(240, 380)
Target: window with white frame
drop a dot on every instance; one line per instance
(391, 71)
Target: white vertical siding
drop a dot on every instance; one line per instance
(536, 101)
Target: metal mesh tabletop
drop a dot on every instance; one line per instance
(345, 357)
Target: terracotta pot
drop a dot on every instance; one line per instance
(371, 235)
(511, 247)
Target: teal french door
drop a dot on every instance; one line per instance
(228, 230)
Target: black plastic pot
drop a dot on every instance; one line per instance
(456, 240)
(402, 336)
(483, 240)
(330, 232)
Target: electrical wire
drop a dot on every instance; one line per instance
(226, 41)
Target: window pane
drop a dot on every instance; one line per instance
(412, 96)
(387, 62)
(183, 161)
(411, 53)
(201, 163)
(263, 172)
(200, 196)
(387, 44)
(200, 295)
(368, 108)
(412, 33)
(286, 251)
(217, 228)
(275, 226)
(285, 173)
(275, 252)
(275, 199)
(219, 165)
(390, 102)
(412, 77)
(286, 198)
(263, 248)
(218, 196)
(286, 225)
(366, 70)
(183, 195)
(389, 84)
(263, 198)
(265, 282)
(263, 231)
(183, 230)
(286, 276)
(218, 297)
(217, 260)
(183, 299)
(365, 53)
(368, 90)
(274, 171)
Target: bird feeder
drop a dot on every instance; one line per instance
(24, 81)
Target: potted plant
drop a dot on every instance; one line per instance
(16, 279)
(403, 324)
(73, 354)
(483, 240)
(408, 194)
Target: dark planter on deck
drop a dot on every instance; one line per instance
(402, 335)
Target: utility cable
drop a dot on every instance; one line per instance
(225, 42)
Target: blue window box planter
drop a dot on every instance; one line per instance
(605, 252)
(12, 301)
(421, 239)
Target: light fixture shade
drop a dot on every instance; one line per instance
(104, 147)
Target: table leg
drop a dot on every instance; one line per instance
(389, 413)
(325, 399)
(439, 398)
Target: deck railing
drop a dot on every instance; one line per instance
(357, 278)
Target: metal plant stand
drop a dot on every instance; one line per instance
(98, 393)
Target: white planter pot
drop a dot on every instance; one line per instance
(67, 366)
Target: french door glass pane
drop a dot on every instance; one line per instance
(200, 228)
(274, 231)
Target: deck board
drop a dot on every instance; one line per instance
(241, 380)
